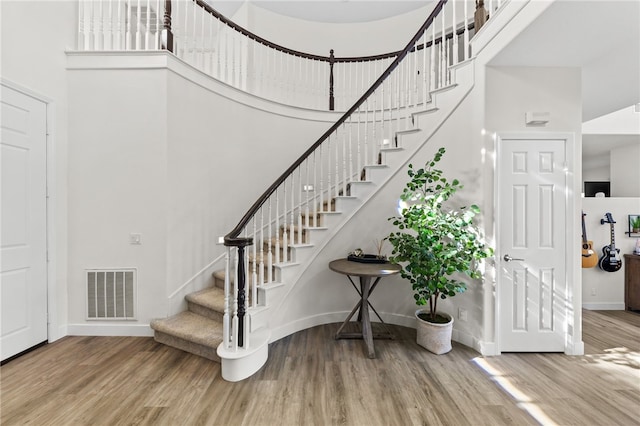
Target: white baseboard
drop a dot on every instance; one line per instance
(133, 330)
(487, 348)
(574, 348)
(603, 306)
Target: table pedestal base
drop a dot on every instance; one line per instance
(363, 318)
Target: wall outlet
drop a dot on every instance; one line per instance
(593, 291)
(135, 239)
(462, 314)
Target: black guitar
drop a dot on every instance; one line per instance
(610, 260)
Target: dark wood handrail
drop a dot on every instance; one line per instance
(305, 55)
(232, 238)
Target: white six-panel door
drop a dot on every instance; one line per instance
(532, 265)
(23, 243)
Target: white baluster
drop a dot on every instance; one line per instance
(159, 18)
(350, 127)
(321, 178)
(308, 189)
(366, 138)
(261, 242)
(97, 27)
(147, 34)
(82, 38)
(269, 253)
(285, 233)
(108, 28)
(277, 237)
(358, 164)
(432, 86)
(424, 69)
(443, 44)
(226, 332)
(299, 216)
(138, 44)
(337, 184)
(315, 189)
(254, 271)
(292, 234)
(344, 158)
(234, 321)
(129, 34)
(465, 40)
(329, 173)
(454, 60)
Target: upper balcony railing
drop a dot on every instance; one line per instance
(205, 39)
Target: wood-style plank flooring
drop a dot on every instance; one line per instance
(312, 379)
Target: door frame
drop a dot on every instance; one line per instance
(54, 331)
(573, 168)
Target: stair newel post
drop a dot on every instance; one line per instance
(299, 216)
(331, 98)
(241, 296)
(167, 36)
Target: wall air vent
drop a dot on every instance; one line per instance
(111, 294)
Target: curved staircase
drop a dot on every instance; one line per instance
(199, 330)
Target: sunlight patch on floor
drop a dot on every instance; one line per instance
(522, 400)
(614, 358)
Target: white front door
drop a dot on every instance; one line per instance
(23, 241)
(532, 286)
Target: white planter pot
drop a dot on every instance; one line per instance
(434, 337)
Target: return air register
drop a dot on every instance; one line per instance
(111, 294)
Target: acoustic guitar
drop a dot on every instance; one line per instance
(589, 258)
(610, 260)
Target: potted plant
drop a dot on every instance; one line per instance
(436, 245)
(635, 224)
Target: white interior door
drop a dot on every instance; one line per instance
(23, 241)
(531, 218)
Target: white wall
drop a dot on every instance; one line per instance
(117, 185)
(34, 35)
(167, 153)
(625, 171)
(601, 289)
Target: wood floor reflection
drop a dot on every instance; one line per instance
(312, 379)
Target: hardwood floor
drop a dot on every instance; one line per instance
(312, 379)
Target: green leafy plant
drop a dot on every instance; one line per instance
(635, 223)
(436, 244)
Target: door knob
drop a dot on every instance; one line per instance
(508, 258)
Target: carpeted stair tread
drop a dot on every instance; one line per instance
(210, 298)
(191, 328)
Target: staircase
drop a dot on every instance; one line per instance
(199, 330)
